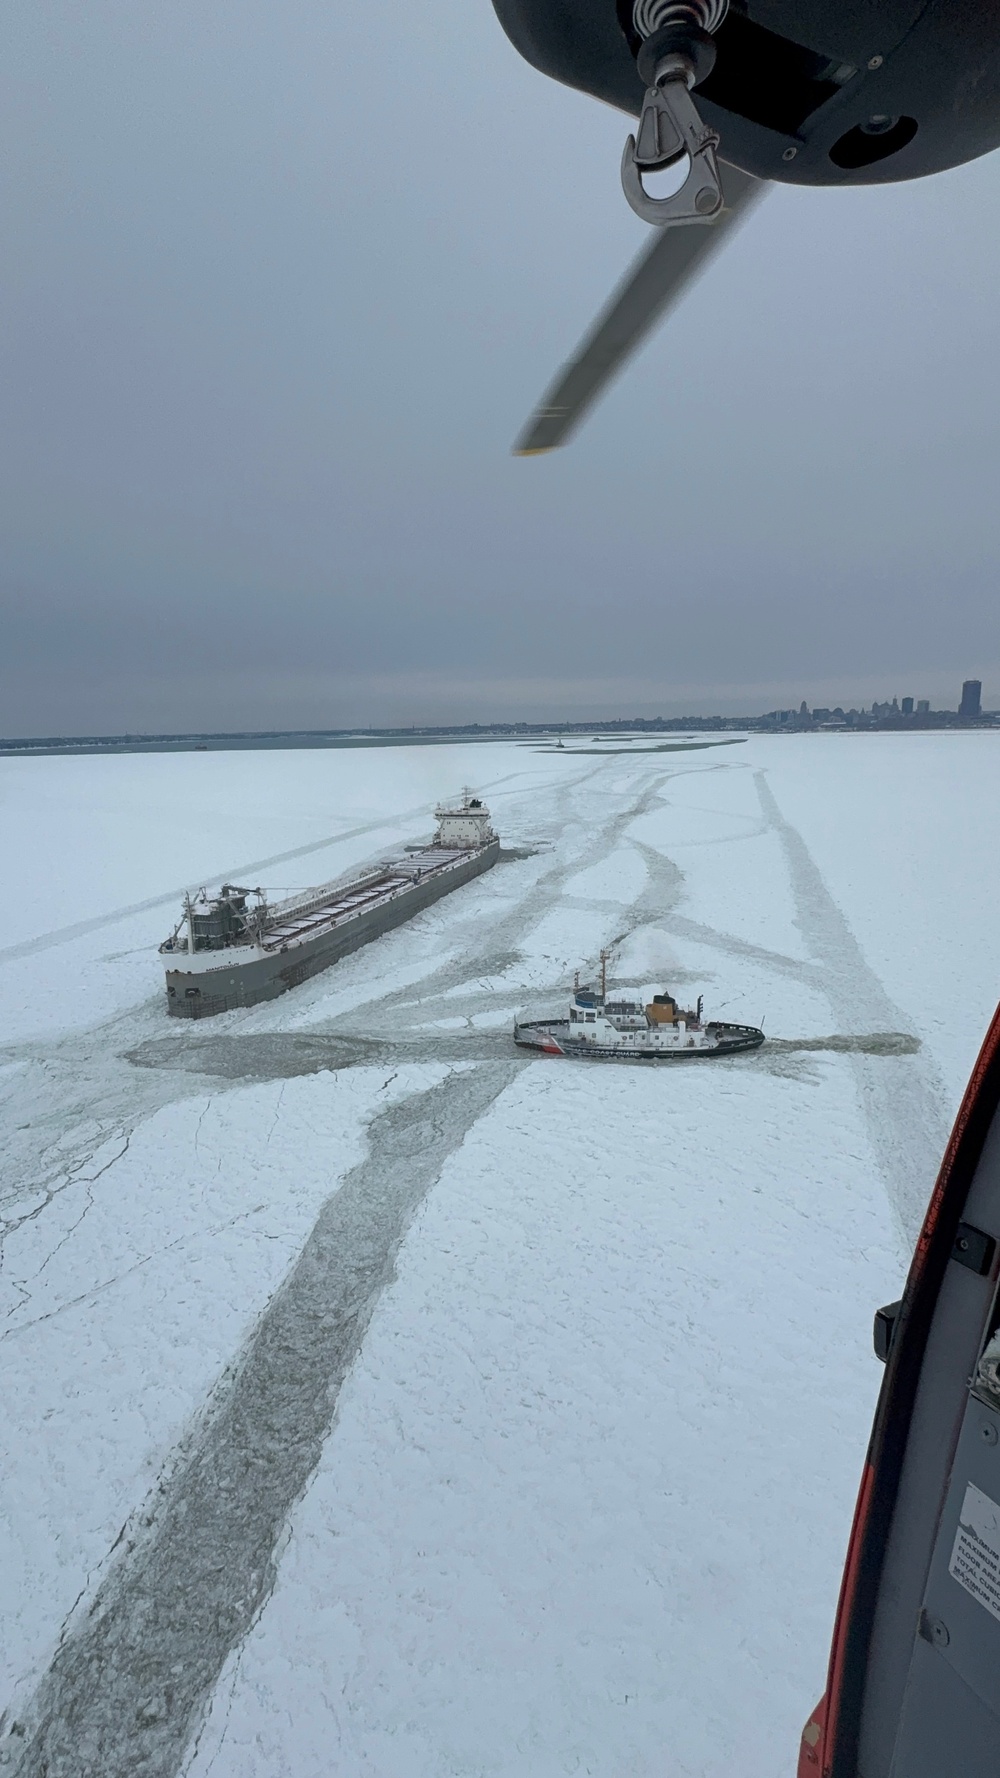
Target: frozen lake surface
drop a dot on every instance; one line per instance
(380, 1400)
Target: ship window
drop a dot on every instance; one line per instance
(590, 1017)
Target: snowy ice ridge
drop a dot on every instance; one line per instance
(381, 1400)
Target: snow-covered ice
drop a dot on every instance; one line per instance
(383, 1401)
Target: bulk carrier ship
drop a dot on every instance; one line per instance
(236, 948)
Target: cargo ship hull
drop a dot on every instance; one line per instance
(234, 982)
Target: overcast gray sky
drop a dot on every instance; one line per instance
(280, 282)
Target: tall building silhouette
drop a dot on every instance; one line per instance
(972, 690)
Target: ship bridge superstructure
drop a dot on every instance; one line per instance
(463, 824)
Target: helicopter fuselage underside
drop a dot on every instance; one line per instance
(811, 92)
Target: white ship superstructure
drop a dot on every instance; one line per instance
(621, 1027)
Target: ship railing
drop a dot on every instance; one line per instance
(344, 898)
(177, 943)
(485, 838)
(462, 804)
(316, 898)
(296, 922)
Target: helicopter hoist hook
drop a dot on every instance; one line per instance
(677, 53)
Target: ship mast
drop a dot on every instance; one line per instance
(604, 973)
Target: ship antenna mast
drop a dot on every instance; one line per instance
(604, 973)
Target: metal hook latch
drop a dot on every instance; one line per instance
(670, 127)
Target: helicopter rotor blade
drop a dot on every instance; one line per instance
(662, 272)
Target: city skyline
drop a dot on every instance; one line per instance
(897, 714)
(460, 703)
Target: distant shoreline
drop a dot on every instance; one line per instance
(271, 741)
(12, 749)
(639, 728)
